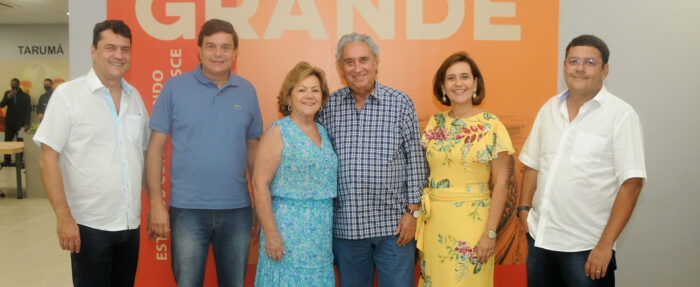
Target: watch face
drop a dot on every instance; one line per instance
(414, 213)
(492, 234)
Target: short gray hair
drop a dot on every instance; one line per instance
(354, 37)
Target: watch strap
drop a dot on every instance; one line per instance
(521, 208)
(412, 212)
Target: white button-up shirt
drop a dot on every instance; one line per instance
(101, 151)
(581, 165)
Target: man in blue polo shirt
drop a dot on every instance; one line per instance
(214, 122)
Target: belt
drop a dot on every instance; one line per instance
(443, 194)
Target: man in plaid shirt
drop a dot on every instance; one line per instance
(381, 170)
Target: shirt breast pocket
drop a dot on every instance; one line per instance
(588, 149)
(134, 127)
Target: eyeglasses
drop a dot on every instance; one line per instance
(587, 62)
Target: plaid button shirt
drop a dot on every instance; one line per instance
(381, 165)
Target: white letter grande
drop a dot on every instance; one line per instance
(183, 27)
(309, 20)
(416, 29)
(483, 30)
(237, 16)
(381, 19)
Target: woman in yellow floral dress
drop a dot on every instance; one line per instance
(456, 232)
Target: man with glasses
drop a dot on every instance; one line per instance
(584, 170)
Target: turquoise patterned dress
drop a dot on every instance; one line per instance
(302, 203)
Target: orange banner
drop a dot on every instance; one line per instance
(513, 42)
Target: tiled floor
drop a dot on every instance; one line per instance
(29, 250)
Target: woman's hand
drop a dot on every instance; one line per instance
(485, 248)
(274, 247)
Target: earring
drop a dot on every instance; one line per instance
(444, 97)
(474, 95)
(289, 108)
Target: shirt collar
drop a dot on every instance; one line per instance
(199, 75)
(94, 83)
(376, 94)
(601, 97)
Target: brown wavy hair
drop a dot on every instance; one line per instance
(439, 78)
(294, 77)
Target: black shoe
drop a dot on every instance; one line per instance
(7, 164)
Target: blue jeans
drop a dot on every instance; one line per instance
(554, 268)
(192, 230)
(106, 258)
(356, 260)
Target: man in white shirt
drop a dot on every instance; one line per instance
(584, 170)
(93, 138)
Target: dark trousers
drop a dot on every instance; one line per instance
(106, 258)
(553, 268)
(11, 131)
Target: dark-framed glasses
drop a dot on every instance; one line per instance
(587, 62)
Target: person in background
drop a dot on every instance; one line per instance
(465, 147)
(584, 170)
(17, 116)
(93, 139)
(44, 99)
(295, 183)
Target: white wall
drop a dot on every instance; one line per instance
(84, 14)
(14, 35)
(654, 64)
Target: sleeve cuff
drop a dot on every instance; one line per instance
(528, 161)
(159, 129)
(414, 197)
(39, 141)
(632, 174)
(254, 135)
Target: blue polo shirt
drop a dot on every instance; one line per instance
(208, 129)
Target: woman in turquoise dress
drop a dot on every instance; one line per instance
(294, 182)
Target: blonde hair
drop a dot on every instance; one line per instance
(300, 72)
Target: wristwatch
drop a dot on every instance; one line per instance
(415, 213)
(521, 208)
(492, 234)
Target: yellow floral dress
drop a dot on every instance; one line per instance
(456, 204)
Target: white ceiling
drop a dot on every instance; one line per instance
(33, 11)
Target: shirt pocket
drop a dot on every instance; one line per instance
(134, 127)
(588, 149)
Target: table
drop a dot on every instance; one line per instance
(16, 148)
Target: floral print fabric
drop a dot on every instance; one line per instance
(456, 204)
(302, 202)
